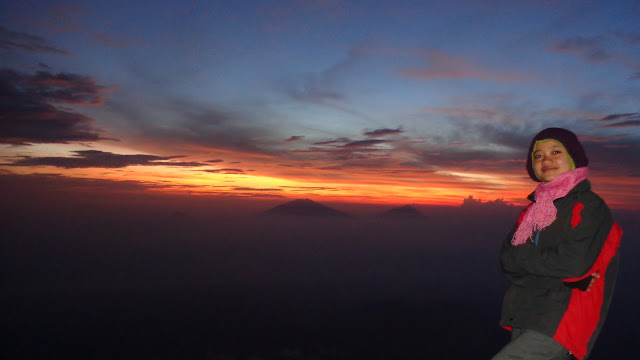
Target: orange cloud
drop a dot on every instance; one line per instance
(440, 65)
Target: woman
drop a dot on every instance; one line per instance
(561, 259)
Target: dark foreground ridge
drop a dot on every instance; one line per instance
(307, 208)
(108, 276)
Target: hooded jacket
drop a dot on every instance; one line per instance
(549, 276)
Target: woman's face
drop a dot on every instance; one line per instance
(550, 159)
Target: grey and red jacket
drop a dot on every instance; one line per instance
(549, 275)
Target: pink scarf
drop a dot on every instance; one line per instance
(542, 212)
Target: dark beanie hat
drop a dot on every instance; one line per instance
(565, 137)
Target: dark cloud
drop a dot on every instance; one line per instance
(257, 195)
(624, 124)
(635, 76)
(199, 125)
(617, 157)
(64, 88)
(470, 202)
(326, 158)
(255, 189)
(589, 48)
(453, 151)
(102, 159)
(611, 154)
(384, 132)
(329, 142)
(294, 138)
(308, 188)
(214, 161)
(225, 171)
(39, 185)
(617, 47)
(336, 141)
(28, 111)
(18, 40)
(615, 153)
(470, 159)
(363, 143)
(614, 117)
(622, 120)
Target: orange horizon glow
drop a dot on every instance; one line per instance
(440, 188)
(267, 177)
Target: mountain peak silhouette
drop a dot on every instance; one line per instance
(403, 212)
(306, 207)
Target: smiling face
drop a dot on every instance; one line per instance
(550, 159)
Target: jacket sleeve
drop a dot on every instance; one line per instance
(507, 258)
(516, 274)
(580, 284)
(575, 254)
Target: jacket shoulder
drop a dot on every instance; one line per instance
(590, 199)
(583, 193)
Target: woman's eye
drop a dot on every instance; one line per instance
(556, 152)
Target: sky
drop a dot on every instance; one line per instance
(356, 101)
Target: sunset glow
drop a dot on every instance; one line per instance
(319, 99)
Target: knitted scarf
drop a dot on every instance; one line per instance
(542, 212)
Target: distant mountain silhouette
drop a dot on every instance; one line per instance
(307, 208)
(403, 212)
(179, 214)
